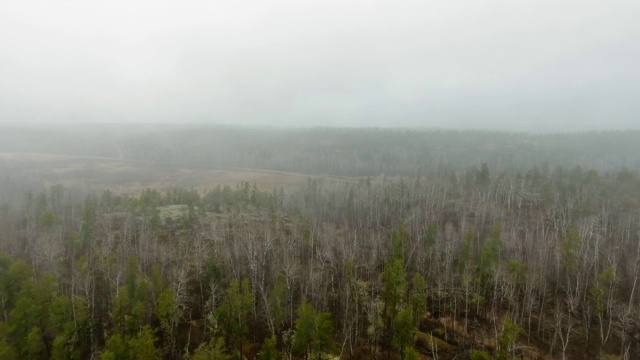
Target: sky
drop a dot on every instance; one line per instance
(517, 65)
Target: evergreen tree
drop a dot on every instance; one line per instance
(234, 311)
(313, 331)
(507, 339)
(404, 330)
(269, 349)
(418, 297)
(214, 350)
(276, 305)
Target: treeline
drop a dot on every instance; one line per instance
(470, 264)
(332, 151)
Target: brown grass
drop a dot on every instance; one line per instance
(132, 177)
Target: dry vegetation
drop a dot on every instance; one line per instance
(108, 257)
(132, 177)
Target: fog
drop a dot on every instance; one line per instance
(512, 65)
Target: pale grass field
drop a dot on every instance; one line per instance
(131, 177)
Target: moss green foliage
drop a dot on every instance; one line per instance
(480, 355)
(394, 282)
(234, 312)
(41, 323)
(140, 346)
(418, 297)
(71, 319)
(410, 354)
(601, 290)
(518, 271)
(276, 304)
(269, 349)
(214, 350)
(167, 311)
(403, 330)
(7, 352)
(313, 331)
(490, 255)
(570, 250)
(507, 339)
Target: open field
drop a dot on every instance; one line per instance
(124, 176)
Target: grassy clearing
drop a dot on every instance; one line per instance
(130, 177)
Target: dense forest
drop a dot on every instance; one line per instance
(401, 244)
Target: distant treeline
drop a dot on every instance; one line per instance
(334, 151)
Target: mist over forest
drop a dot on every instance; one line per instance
(332, 151)
(320, 180)
(224, 242)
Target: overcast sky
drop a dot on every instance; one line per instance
(516, 65)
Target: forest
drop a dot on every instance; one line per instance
(398, 244)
